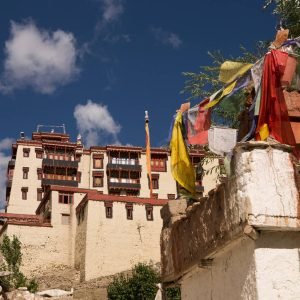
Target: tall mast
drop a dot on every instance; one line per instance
(148, 152)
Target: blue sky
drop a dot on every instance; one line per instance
(123, 56)
(97, 65)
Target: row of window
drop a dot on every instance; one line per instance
(39, 195)
(98, 178)
(129, 212)
(39, 153)
(48, 176)
(157, 164)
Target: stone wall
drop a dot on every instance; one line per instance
(226, 246)
(116, 244)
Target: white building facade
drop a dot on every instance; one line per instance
(87, 208)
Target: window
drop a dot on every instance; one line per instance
(25, 172)
(129, 211)
(98, 179)
(39, 173)
(26, 152)
(24, 193)
(78, 176)
(154, 195)
(39, 194)
(108, 209)
(10, 174)
(78, 157)
(158, 163)
(171, 196)
(65, 219)
(149, 213)
(39, 153)
(155, 184)
(65, 198)
(98, 161)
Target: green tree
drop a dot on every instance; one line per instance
(205, 82)
(12, 254)
(141, 285)
(288, 11)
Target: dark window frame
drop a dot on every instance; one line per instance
(108, 209)
(171, 196)
(99, 157)
(65, 198)
(39, 192)
(24, 191)
(39, 153)
(97, 175)
(129, 211)
(39, 172)
(25, 172)
(26, 152)
(149, 213)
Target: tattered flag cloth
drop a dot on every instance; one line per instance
(226, 91)
(181, 165)
(221, 140)
(198, 123)
(273, 115)
(231, 70)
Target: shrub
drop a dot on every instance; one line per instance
(142, 285)
(11, 251)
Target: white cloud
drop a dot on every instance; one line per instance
(95, 124)
(38, 58)
(5, 145)
(112, 10)
(166, 38)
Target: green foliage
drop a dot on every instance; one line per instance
(11, 251)
(173, 293)
(289, 13)
(203, 84)
(140, 286)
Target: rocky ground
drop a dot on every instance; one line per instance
(66, 278)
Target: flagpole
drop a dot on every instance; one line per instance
(148, 151)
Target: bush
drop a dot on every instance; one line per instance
(11, 251)
(142, 285)
(173, 293)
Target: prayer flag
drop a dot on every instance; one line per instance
(181, 165)
(231, 70)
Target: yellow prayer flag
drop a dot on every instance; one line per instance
(264, 132)
(181, 165)
(231, 70)
(224, 93)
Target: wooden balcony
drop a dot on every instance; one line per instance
(60, 163)
(124, 184)
(64, 180)
(124, 167)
